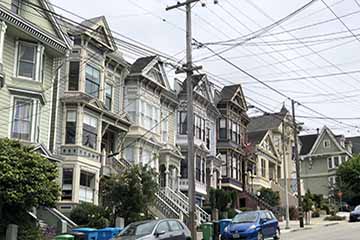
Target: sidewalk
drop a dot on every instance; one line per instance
(314, 223)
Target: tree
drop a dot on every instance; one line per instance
(90, 215)
(270, 196)
(308, 202)
(27, 180)
(348, 175)
(130, 193)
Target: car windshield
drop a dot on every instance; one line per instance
(357, 208)
(245, 217)
(139, 229)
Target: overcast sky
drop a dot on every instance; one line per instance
(275, 55)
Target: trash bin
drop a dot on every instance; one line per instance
(108, 233)
(207, 231)
(216, 227)
(223, 223)
(65, 237)
(90, 233)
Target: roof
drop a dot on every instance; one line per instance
(355, 144)
(228, 92)
(307, 142)
(266, 122)
(256, 137)
(141, 63)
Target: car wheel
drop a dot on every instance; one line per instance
(260, 236)
(277, 234)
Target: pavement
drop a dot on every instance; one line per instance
(294, 226)
(340, 231)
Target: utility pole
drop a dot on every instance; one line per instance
(190, 116)
(285, 177)
(298, 182)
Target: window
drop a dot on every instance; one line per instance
(165, 130)
(198, 168)
(330, 163)
(89, 131)
(203, 171)
(183, 168)
(326, 143)
(234, 167)
(207, 138)
(92, 84)
(203, 130)
(70, 135)
(108, 96)
(332, 180)
(263, 168)
(182, 123)
(87, 179)
(15, 6)
(175, 226)
(336, 161)
(22, 119)
(222, 128)
(26, 66)
(74, 69)
(233, 132)
(87, 184)
(163, 227)
(197, 127)
(67, 181)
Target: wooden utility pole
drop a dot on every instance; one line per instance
(298, 181)
(285, 176)
(190, 116)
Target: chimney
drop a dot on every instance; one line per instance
(318, 131)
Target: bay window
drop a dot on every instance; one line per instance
(87, 187)
(70, 132)
(182, 123)
(108, 96)
(22, 119)
(90, 131)
(92, 84)
(67, 182)
(26, 62)
(222, 128)
(74, 68)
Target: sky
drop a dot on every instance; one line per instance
(312, 57)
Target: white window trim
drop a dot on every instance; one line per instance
(39, 52)
(326, 141)
(333, 162)
(110, 83)
(34, 119)
(98, 124)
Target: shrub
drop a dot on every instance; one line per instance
(90, 215)
(326, 208)
(28, 232)
(293, 212)
(334, 218)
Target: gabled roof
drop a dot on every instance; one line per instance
(326, 130)
(307, 142)
(140, 64)
(256, 137)
(234, 94)
(98, 29)
(266, 121)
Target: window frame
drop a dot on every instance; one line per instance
(326, 143)
(110, 98)
(89, 130)
(67, 184)
(182, 116)
(73, 76)
(91, 80)
(19, 45)
(32, 118)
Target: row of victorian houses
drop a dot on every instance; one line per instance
(67, 90)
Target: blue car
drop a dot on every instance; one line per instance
(252, 225)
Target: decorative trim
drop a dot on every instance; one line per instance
(32, 29)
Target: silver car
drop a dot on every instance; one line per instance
(155, 230)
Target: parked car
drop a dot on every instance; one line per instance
(163, 229)
(252, 225)
(355, 215)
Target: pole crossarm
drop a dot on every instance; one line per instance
(181, 4)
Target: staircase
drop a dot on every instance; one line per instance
(263, 204)
(55, 219)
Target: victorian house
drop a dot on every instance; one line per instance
(321, 154)
(207, 164)
(151, 105)
(89, 118)
(32, 49)
(231, 139)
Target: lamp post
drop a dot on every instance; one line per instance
(258, 194)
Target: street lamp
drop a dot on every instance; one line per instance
(258, 194)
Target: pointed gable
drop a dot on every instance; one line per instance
(326, 143)
(267, 144)
(98, 29)
(234, 94)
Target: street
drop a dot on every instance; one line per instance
(342, 231)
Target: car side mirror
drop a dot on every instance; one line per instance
(157, 234)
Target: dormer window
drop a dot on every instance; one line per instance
(15, 6)
(326, 143)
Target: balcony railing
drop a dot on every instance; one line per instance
(199, 187)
